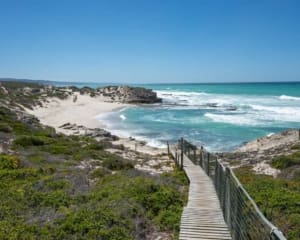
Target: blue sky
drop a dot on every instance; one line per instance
(136, 41)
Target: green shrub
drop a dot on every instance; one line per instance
(9, 162)
(95, 146)
(53, 185)
(4, 127)
(54, 200)
(286, 161)
(14, 174)
(56, 149)
(277, 198)
(296, 147)
(114, 162)
(99, 173)
(176, 177)
(169, 218)
(36, 158)
(26, 141)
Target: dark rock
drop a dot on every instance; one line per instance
(65, 125)
(126, 94)
(212, 105)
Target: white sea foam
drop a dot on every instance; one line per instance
(194, 98)
(155, 143)
(232, 119)
(149, 141)
(251, 111)
(280, 113)
(122, 116)
(286, 97)
(135, 133)
(212, 100)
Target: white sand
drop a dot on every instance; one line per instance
(82, 112)
(139, 146)
(265, 168)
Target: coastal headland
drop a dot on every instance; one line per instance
(72, 113)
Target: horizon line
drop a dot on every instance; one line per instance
(146, 83)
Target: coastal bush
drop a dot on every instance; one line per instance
(109, 211)
(99, 173)
(36, 158)
(9, 120)
(286, 161)
(9, 162)
(5, 113)
(4, 127)
(176, 177)
(277, 198)
(26, 141)
(46, 194)
(114, 162)
(18, 174)
(95, 146)
(161, 201)
(296, 147)
(169, 219)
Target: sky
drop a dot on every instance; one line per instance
(150, 41)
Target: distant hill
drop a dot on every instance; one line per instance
(34, 81)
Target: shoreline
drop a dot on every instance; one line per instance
(83, 112)
(81, 116)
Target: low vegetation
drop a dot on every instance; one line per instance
(278, 198)
(286, 161)
(28, 94)
(54, 186)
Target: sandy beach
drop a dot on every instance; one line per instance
(83, 111)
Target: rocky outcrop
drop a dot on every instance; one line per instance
(271, 141)
(126, 94)
(260, 153)
(97, 133)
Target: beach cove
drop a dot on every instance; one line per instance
(221, 117)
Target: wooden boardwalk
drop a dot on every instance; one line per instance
(202, 218)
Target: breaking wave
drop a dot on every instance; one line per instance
(122, 116)
(216, 119)
(285, 97)
(232, 119)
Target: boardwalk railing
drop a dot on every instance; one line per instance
(241, 213)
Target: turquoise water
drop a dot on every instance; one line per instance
(220, 116)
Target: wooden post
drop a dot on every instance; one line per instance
(216, 174)
(239, 229)
(227, 198)
(201, 156)
(181, 164)
(195, 159)
(208, 159)
(168, 148)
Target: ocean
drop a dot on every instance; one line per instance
(221, 117)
